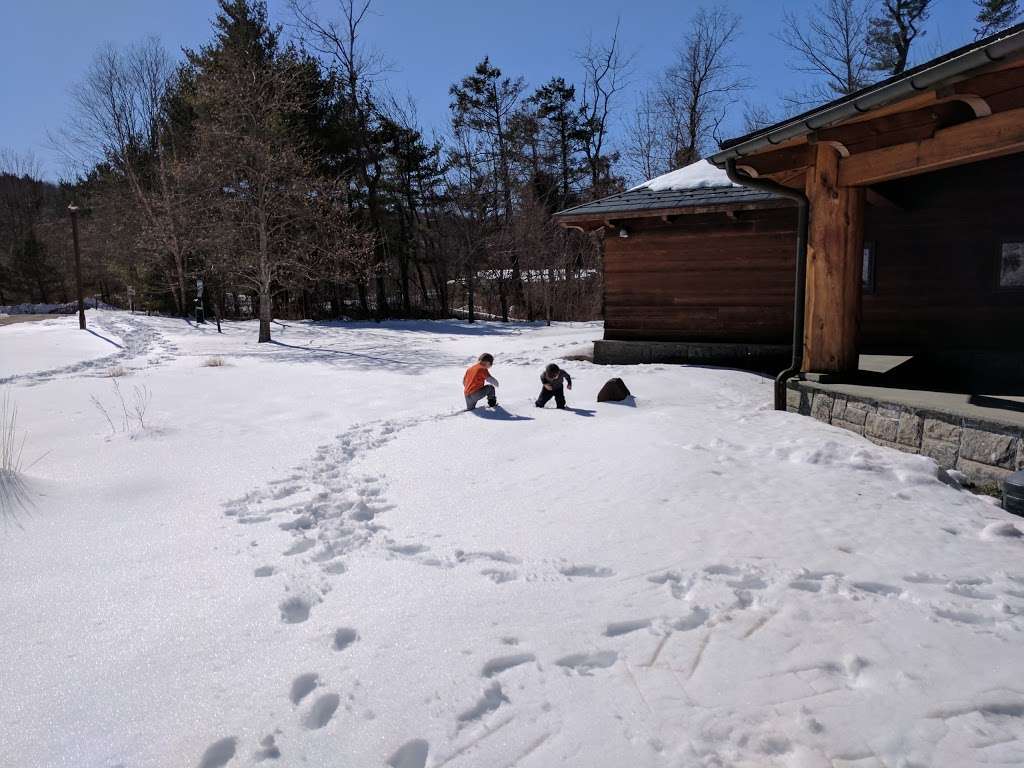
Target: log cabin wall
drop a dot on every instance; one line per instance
(936, 271)
(705, 277)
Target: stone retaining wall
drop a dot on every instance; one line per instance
(985, 452)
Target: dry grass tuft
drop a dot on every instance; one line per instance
(214, 362)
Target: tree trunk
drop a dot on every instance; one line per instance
(364, 303)
(382, 299)
(265, 315)
(403, 273)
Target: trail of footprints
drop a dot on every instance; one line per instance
(317, 707)
(330, 510)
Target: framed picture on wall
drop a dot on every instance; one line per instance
(1011, 264)
(867, 274)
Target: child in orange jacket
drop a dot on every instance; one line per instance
(477, 383)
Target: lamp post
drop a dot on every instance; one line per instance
(73, 210)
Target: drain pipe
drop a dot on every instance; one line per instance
(766, 185)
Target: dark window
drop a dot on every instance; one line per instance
(867, 274)
(1011, 264)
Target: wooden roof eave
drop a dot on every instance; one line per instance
(598, 221)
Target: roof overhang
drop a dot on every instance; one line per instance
(930, 76)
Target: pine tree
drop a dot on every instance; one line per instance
(483, 106)
(561, 135)
(995, 15)
(892, 32)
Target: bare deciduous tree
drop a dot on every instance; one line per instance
(698, 88)
(606, 70)
(259, 179)
(118, 121)
(831, 44)
(646, 150)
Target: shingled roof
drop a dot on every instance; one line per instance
(640, 202)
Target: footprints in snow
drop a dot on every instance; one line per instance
(589, 571)
(751, 587)
(491, 699)
(344, 637)
(295, 610)
(585, 663)
(317, 716)
(412, 754)
(498, 665)
(617, 628)
(219, 753)
(302, 686)
(322, 711)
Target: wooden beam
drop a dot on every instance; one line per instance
(900, 128)
(792, 178)
(777, 159)
(980, 139)
(835, 242)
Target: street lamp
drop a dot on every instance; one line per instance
(73, 210)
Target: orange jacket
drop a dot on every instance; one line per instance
(474, 379)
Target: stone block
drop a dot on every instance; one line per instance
(889, 411)
(882, 427)
(839, 409)
(992, 448)
(982, 473)
(793, 397)
(856, 412)
(821, 407)
(911, 427)
(943, 451)
(936, 429)
(848, 425)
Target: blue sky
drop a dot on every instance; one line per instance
(47, 44)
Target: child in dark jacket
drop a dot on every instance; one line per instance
(554, 381)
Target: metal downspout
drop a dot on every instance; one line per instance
(802, 205)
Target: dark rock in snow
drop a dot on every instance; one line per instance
(613, 390)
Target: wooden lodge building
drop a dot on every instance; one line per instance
(886, 223)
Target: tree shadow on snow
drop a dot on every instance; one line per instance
(329, 351)
(104, 338)
(499, 414)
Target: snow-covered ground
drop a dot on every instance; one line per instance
(308, 556)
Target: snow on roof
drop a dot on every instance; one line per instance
(698, 175)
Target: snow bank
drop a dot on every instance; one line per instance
(53, 309)
(698, 175)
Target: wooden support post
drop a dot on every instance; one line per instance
(835, 243)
